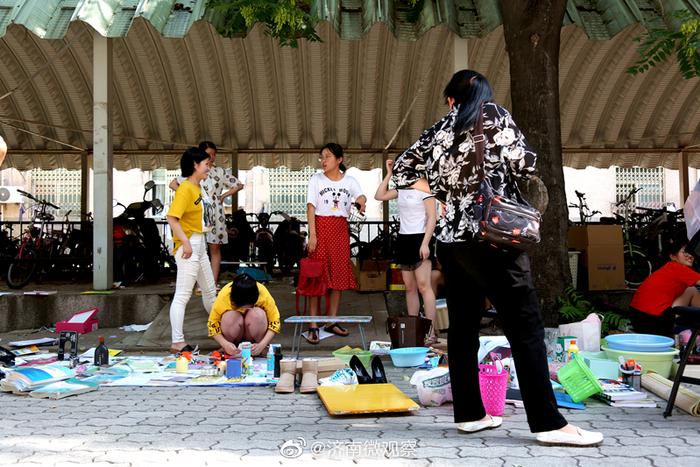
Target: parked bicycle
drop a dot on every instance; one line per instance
(584, 212)
(36, 248)
(637, 264)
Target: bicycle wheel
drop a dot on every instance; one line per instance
(21, 270)
(637, 267)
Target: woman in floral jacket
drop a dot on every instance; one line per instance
(474, 269)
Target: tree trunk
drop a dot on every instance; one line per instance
(532, 31)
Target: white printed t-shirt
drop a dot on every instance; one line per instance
(332, 198)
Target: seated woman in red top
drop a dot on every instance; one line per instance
(674, 284)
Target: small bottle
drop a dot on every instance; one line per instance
(182, 365)
(101, 353)
(573, 350)
(270, 361)
(278, 358)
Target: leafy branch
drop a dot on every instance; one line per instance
(574, 306)
(681, 37)
(286, 20)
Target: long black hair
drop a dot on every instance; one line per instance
(204, 145)
(337, 150)
(469, 89)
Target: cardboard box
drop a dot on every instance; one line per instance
(605, 267)
(369, 281)
(603, 262)
(581, 237)
(81, 322)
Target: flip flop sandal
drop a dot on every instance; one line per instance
(336, 329)
(312, 337)
(186, 348)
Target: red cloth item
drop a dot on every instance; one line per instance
(333, 248)
(659, 290)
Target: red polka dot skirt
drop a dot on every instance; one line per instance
(333, 248)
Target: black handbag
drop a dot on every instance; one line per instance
(502, 221)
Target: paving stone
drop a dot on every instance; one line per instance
(556, 451)
(662, 461)
(650, 441)
(543, 461)
(609, 461)
(470, 451)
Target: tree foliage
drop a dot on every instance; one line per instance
(286, 20)
(681, 36)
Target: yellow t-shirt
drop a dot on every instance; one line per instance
(223, 304)
(187, 207)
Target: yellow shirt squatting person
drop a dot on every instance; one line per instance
(257, 319)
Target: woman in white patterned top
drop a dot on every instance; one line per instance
(219, 179)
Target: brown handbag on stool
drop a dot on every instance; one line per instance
(408, 331)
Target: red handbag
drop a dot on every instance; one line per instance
(312, 281)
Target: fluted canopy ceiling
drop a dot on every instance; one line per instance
(177, 81)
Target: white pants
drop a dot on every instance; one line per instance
(195, 269)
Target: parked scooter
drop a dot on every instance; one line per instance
(264, 242)
(289, 242)
(139, 250)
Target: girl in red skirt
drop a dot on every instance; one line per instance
(329, 200)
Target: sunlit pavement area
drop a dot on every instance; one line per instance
(230, 426)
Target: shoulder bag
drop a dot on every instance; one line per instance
(502, 221)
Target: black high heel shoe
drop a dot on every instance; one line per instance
(363, 377)
(378, 373)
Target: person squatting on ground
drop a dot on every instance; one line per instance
(256, 320)
(417, 214)
(445, 156)
(220, 184)
(329, 200)
(673, 284)
(188, 223)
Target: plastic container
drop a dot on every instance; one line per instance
(639, 342)
(578, 380)
(600, 366)
(658, 362)
(408, 356)
(345, 355)
(493, 386)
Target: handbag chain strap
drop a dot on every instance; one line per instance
(479, 144)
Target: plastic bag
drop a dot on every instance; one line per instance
(587, 332)
(691, 211)
(433, 386)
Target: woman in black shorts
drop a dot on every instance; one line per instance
(415, 247)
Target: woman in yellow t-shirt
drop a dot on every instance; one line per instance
(188, 222)
(256, 318)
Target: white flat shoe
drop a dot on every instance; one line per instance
(473, 427)
(582, 438)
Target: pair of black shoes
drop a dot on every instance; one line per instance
(363, 377)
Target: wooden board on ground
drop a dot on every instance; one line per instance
(365, 398)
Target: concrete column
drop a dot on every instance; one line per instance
(102, 161)
(84, 183)
(234, 171)
(461, 53)
(683, 176)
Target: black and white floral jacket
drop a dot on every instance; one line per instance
(447, 161)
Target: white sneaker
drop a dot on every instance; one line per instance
(342, 377)
(479, 425)
(582, 438)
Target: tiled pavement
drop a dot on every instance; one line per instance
(232, 426)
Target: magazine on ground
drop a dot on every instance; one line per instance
(32, 377)
(61, 389)
(616, 391)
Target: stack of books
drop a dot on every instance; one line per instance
(29, 378)
(618, 394)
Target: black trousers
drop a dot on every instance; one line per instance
(474, 270)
